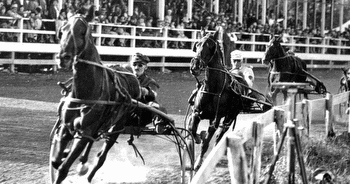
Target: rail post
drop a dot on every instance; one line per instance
(305, 121)
(256, 160)
(329, 116)
(237, 160)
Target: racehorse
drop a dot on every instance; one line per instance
(219, 94)
(99, 99)
(286, 67)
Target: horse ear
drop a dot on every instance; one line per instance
(217, 33)
(90, 14)
(279, 38)
(202, 32)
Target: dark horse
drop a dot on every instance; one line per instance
(219, 94)
(285, 67)
(98, 101)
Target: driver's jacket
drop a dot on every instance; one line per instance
(152, 87)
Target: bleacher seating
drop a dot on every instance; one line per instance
(161, 45)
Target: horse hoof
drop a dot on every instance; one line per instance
(196, 168)
(203, 134)
(197, 139)
(56, 164)
(82, 169)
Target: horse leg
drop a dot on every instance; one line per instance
(62, 142)
(77, 148)
(83, 168)
(224, 127)
(102, 155)
(205, 145)
(193, 126)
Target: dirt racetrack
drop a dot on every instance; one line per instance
(28, 111)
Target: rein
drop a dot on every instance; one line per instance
(283, 57)
(101, 66)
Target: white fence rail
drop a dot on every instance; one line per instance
(243, 172)
(163, 42)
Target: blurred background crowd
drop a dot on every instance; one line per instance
(115, 12)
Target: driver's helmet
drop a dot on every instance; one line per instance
(236, 55)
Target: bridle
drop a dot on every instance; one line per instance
(203, 64)
(87, 35)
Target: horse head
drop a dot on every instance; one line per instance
(274, 50)
(75, 37)
(206, 50)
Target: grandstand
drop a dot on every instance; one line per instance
(168, 36)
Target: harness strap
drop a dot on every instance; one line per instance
(99, 102)
(283, 57)
(102, 66)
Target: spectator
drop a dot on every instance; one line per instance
(43, 6)
(182, 44)
(7, 4)
(2, 5)
(3, 23)
(122, 41)
(53, 13)
(115, 19)
(32, 37)
(61, 19)
(70, 12)
(22, 12)
(251, 19)
(109, 19)
(123, 20)
(3, 14)
(54, 10)
(159, 33)
(168, 17)
(13, 12)
(32, 5)
(108, 41)
(103, 16)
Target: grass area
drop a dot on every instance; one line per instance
(330, 156)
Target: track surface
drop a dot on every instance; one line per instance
(28, 111)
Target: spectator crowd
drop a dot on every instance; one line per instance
(115, 13)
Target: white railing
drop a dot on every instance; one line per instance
(328, 52)
(307, 112)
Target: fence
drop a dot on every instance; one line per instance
(241, 171)
(164, 43)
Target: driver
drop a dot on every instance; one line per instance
(246, 72)
(149, 88)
